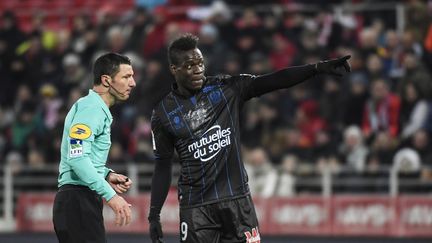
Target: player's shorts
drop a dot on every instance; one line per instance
(233, 220)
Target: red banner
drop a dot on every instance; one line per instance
(34, 212)
(415, 216)
(302, 215)
(363, 215)
(305, 215)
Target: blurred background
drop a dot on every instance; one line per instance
(330, 160)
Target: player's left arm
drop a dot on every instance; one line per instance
(291, 76)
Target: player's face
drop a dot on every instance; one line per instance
(189, 74)
(123, 82)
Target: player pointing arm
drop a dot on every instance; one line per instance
(199, 118)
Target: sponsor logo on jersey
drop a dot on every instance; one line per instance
(253, 237)
(80, 131)
(211, 143)
(75, 148)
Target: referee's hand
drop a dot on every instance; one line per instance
(120, 183)
(121, 209)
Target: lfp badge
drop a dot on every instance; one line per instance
(75, 147)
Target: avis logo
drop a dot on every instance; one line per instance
(253, 237)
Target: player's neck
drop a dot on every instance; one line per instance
(186, 92)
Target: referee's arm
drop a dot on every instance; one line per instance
(84, 169)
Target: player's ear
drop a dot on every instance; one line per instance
(173, 69)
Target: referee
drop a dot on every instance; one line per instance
(83, 177)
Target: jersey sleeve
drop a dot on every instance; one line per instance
(163, 141)
(242, 85)
(250, 86)
(87, 123)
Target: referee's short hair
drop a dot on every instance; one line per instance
(181, 44)
(108, 64)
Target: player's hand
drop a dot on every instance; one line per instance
(336, 67)
(121, 209)
(120, 183)
(156, 234)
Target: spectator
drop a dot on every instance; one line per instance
(74, 75)
(414, 111)
(51, 105)
(383, 146)
(309, 122)
(212, 48)
(355, 99)
(421, 142)
(262, 174)
(287, 179)
(353, 150)
(417, 74)
(331, 104)
(407, 161)
(381, 112)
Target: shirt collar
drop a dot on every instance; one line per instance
(174, 89)
(98, 99)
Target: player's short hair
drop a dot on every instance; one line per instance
(181, 44)
(108, 64)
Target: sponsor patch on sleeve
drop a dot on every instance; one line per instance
(75, 148)
(80, 131)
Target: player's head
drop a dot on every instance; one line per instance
(114, 72)
(186, 62)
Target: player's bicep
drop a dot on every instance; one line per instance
(242, 84)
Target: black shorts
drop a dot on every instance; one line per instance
(77, 215)
(227, 221)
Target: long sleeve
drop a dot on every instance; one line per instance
(161, 182)
(281, 79)
(91, 169)
(85, 170)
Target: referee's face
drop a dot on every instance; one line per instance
(189, 73)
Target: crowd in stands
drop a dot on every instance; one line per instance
(378, 116)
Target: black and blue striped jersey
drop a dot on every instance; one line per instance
(204, 131)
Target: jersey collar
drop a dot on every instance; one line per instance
(174, 89)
